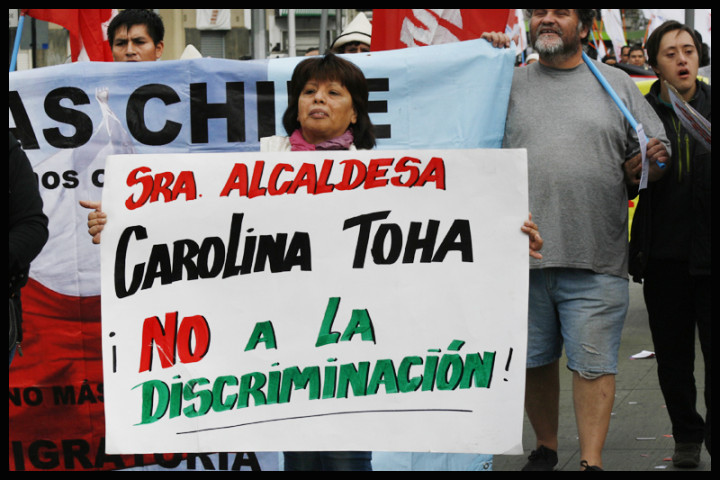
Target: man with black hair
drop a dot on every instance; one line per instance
(136, 35)
(671, 247)
(636, 56)
(625, 54)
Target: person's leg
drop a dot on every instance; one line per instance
(542, 396)
(542, 385)
(703, 305)
(669, 292)
(593, 401)
(592, 309)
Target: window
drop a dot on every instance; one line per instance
(212, 43)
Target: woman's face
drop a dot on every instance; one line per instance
(325, 110)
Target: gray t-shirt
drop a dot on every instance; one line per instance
(577, 140)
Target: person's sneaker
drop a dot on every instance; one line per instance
(541, 460)
(687, 455)
(590, 468)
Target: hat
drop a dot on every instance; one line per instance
(359, 30)
(190, 52)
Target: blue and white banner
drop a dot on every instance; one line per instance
(443, 96)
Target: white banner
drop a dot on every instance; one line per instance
(212, 19)
(372, 300)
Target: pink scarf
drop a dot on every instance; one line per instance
(299, 144)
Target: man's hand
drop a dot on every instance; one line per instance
(536, 241)
(498, 39)
(656, 154)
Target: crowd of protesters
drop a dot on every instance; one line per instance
(581, 265)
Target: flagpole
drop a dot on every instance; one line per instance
(323, 31)
(292, 44)
(621, 105)
(16, 46)
(610, 91)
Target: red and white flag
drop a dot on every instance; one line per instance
(515, 29)
(87, 27)
(402, 28)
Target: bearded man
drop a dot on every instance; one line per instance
(577, 140)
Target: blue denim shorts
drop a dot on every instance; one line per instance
(580, 309)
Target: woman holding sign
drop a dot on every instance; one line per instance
(327, 110)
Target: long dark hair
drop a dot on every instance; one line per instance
(330, 67)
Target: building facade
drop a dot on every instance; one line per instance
(218, 33)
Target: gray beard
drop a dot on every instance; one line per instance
(553, 48)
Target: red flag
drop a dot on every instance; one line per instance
(86, 29)
(401, 28)
(56, 387)
(516, 29)
(56, 411)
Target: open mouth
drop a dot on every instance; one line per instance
(548, 31)
(684, 73)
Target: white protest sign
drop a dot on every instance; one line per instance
(363, 300)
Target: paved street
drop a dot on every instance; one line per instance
(640, 431)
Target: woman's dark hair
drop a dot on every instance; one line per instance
(653, 43)
(131, 17)
(330, 67)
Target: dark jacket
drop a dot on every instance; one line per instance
(28, 224)
(673, 217)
